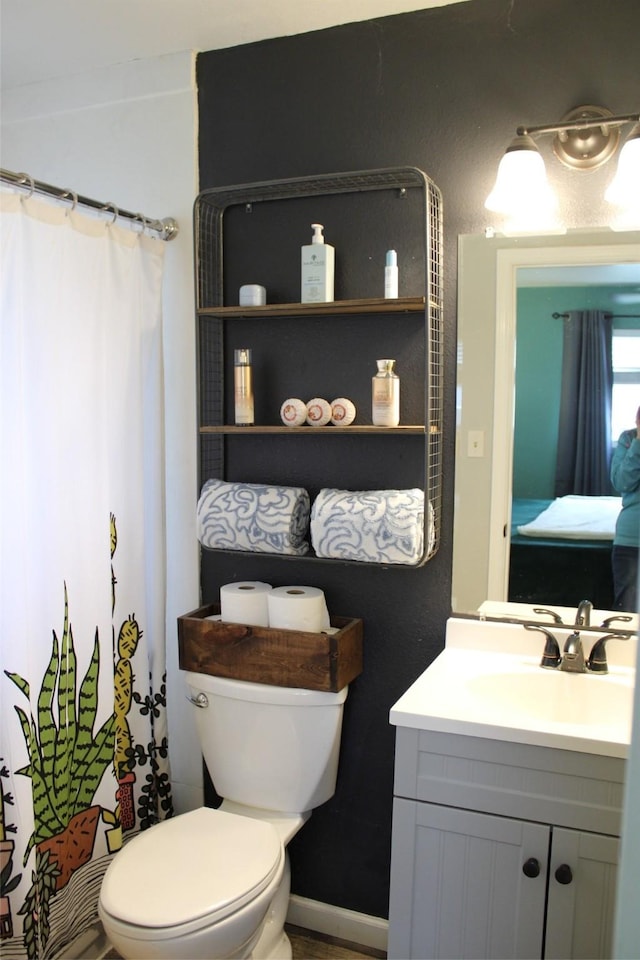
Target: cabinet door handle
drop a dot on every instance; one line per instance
(531, 868)
(564, 874)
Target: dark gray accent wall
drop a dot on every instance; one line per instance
(442, 90)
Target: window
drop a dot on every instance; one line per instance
(626, 380)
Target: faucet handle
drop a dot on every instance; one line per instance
(551, 656)
(555, 617)
(622, 617)
(597, 661)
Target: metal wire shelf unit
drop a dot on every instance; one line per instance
(211, 207)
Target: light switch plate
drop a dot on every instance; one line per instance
(475, 443)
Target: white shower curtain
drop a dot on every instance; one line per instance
(83, 749)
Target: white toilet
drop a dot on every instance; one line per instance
(214, 884)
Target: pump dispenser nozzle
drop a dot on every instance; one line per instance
(317, 233)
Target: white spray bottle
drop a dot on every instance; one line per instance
(391, 275)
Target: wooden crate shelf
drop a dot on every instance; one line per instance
(283, 658)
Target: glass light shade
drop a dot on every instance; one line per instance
(626, 219)
(624, 189)
(521, 189)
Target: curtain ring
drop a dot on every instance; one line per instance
(66, 194)
(142, 219)
(25, 179)
(111, 206)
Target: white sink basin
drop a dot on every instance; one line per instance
(551, 695)
(488, 683)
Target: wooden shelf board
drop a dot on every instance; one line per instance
(336, 307)
(409, 430)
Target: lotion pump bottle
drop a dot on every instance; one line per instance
(317, 263)
(243, 387)
(385, 395)
(391, 275)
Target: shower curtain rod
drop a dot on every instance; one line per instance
(610, 316)
(166, 229)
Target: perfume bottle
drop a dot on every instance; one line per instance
(385, 395)
(243, 387)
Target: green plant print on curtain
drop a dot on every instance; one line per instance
(154, 795)
(69, 753)
(67, 757)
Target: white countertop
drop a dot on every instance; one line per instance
(488, 683)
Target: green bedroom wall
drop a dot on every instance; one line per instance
(538, 379)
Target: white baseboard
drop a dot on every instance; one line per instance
(338, 922)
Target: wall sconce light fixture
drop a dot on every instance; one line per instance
(584, 139)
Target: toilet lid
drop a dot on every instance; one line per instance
(205, 863)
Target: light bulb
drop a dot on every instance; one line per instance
(521, 190)
(624, 189)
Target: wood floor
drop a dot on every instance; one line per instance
(308, 945)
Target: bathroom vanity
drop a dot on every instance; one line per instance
(507, 800)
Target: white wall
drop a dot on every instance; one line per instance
(128, 134)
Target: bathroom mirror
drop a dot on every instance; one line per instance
(490, 272)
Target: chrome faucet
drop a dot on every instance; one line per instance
(583, 614)
(572, 659)
(573, 654)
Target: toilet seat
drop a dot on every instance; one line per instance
(191, 871)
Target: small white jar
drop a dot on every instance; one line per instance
(252, 295)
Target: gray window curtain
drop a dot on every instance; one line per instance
(584, 435)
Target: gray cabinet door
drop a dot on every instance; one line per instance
(581, 912)
(458, 889)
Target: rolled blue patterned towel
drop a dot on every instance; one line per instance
(253, 517)
(378, 526)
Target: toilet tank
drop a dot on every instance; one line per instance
(270, 747)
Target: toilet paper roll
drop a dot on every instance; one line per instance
(245, 602)
(298, 608)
